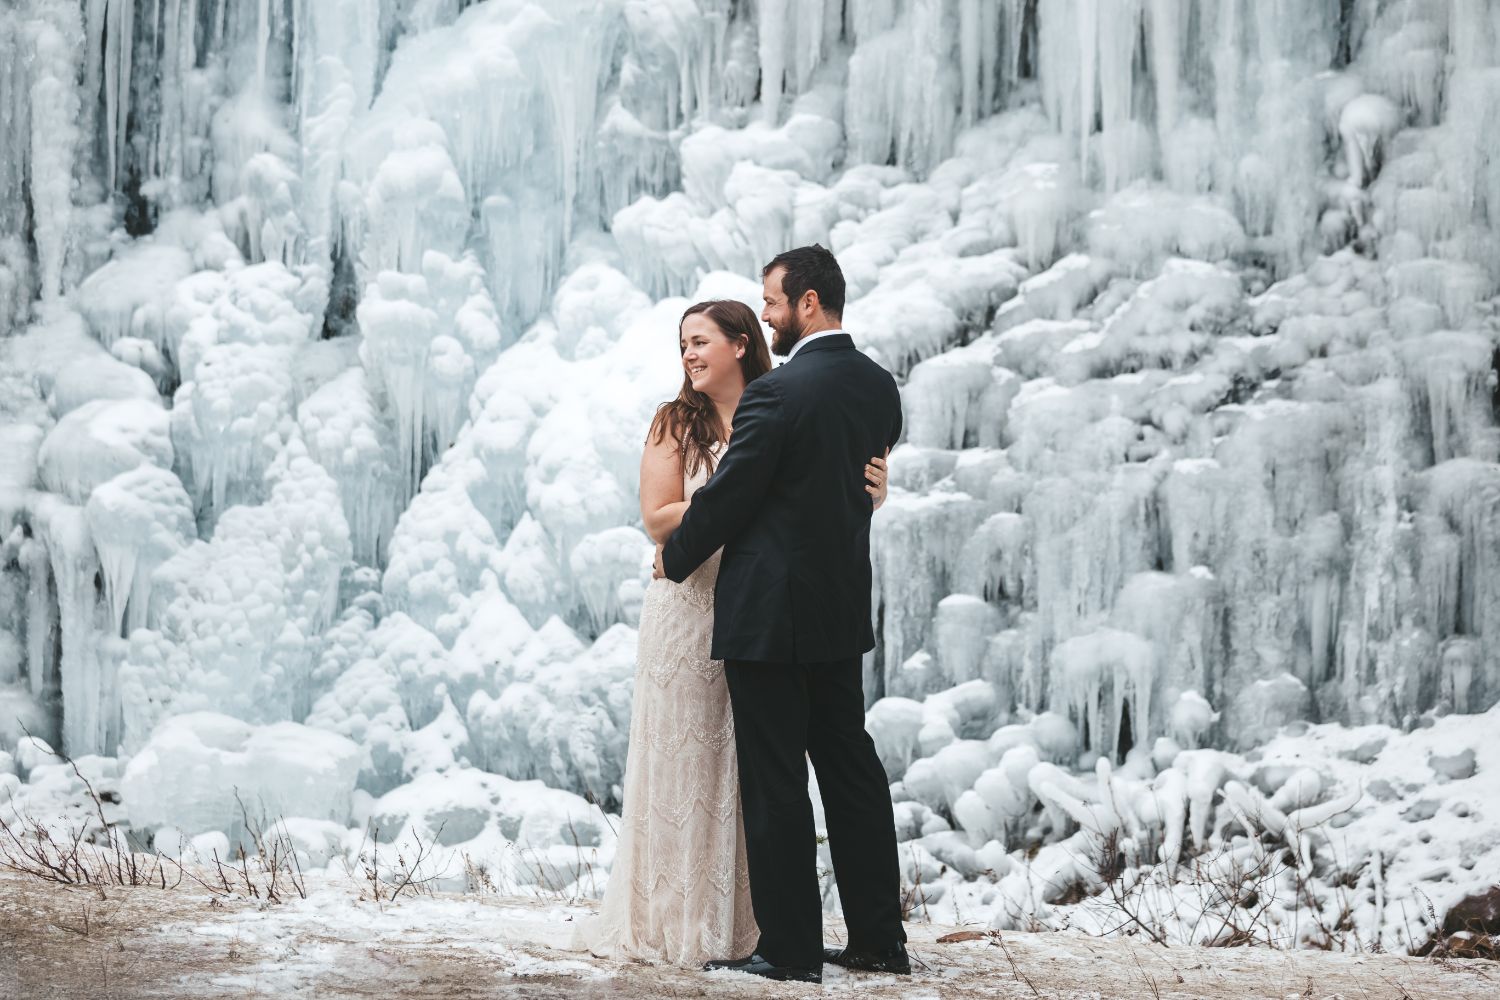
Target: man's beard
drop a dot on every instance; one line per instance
(784, 338)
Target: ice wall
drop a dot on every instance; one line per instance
(333, 331)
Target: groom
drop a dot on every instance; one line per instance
(792, 620)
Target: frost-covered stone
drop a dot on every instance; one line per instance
(189, 771)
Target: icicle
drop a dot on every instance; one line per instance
(426, 336)
(1448, 378)
(828, 39)
(117, 564)
(114, 20)
(899, 99)
(1461, 657)
(137, 521)
(571, 79)
(997, 44)
(868, 18)
(177, 46)
(962, 627)
(1087, 62)
(1166, 20)
(55, 42)
(347, 434)
(773, 47)
(414, 203)
(41, 622)
(397, 333)
(1228, 84)
(971, 42)
(1118, 27)
(1094, 675)
(602, 565)
(1472, 33)
(1012, 33)
(520, 277)
(915, 549)
(1468, 168)
(262, 43)
(295, 29)
(230, 414)
(90, 697)
(803, 36)
(1461, 497)
(95, 25)
(1323, 566)
(14, 112)
(342, 32)
(1365, 124)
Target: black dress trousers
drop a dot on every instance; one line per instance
(785, 713)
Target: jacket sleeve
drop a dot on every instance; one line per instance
(896, 424)
(733, 494)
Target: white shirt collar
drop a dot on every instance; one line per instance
(809, 339)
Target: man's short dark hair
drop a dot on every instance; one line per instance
(810, 269)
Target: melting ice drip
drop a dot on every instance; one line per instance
(334, 328)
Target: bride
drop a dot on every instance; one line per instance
(679, 890)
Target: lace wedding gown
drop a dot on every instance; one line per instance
(679, 890)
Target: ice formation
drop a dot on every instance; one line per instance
(329, 334)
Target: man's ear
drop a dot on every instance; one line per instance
(810, 300)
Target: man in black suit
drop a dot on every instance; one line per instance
(792, 621)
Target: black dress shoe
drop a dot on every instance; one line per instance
(727, 963)
(891, 959)
(755, 965)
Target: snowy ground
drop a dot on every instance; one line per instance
(329, 334)
(179, 943)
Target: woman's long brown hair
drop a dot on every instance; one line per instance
(691, 419)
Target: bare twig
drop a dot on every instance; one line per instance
(387, 885)
(1015, 970)
(1150, 979)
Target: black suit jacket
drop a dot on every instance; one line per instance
(788, 505)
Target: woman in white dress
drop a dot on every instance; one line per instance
(679, 889)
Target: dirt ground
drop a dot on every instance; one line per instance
(89, 945)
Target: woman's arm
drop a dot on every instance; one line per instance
(662, 504)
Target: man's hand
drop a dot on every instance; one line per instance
(658, 572)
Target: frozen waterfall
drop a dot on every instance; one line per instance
(330, 331)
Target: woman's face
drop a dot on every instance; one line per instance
(711, 361)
